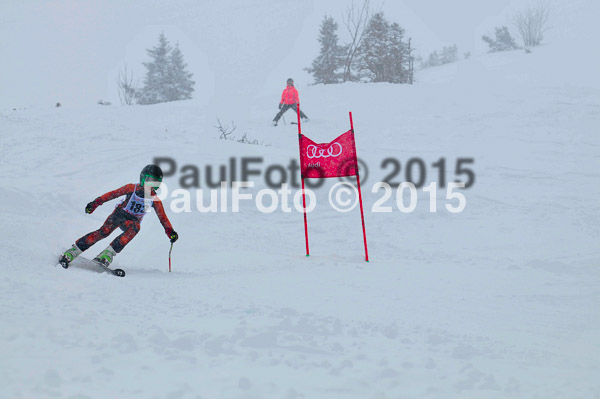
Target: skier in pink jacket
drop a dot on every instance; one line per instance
(289, 99)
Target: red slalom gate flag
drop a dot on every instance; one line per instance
(334, 159)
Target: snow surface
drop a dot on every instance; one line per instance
(498, 301)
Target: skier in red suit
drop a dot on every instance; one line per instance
(127, 216)
(289, 99)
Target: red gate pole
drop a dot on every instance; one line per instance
(305, 222)
(362, 215)
(302, 178)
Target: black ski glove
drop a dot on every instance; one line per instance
(280, 106)
(91, 207)
(173, 236)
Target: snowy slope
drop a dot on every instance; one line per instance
(498, 301)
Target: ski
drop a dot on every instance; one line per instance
(114, 272)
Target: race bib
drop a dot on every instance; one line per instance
(137, 206)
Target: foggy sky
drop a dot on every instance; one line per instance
(71, 51)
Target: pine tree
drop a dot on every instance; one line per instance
(384, 56)
(326, 67)
(374, 49)
(180, 85)
(398, 57)
(154, 90)
(167, 78)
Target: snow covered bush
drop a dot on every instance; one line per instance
(503, 41)
(446, 55)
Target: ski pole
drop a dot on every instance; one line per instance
(283, 116)
(170, 257)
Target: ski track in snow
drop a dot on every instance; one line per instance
(499, 301)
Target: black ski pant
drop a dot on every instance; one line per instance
(284, 108)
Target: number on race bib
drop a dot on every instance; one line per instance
(136, 207)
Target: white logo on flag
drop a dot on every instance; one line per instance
(312, 151)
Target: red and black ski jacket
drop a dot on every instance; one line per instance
(129, 190)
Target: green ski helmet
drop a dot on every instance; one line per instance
(152, 174)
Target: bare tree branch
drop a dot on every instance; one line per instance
(126, 86)
(355, 20)
(531, 24)
(226, 134)
(224, 131)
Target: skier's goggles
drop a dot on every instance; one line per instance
(151, 179)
